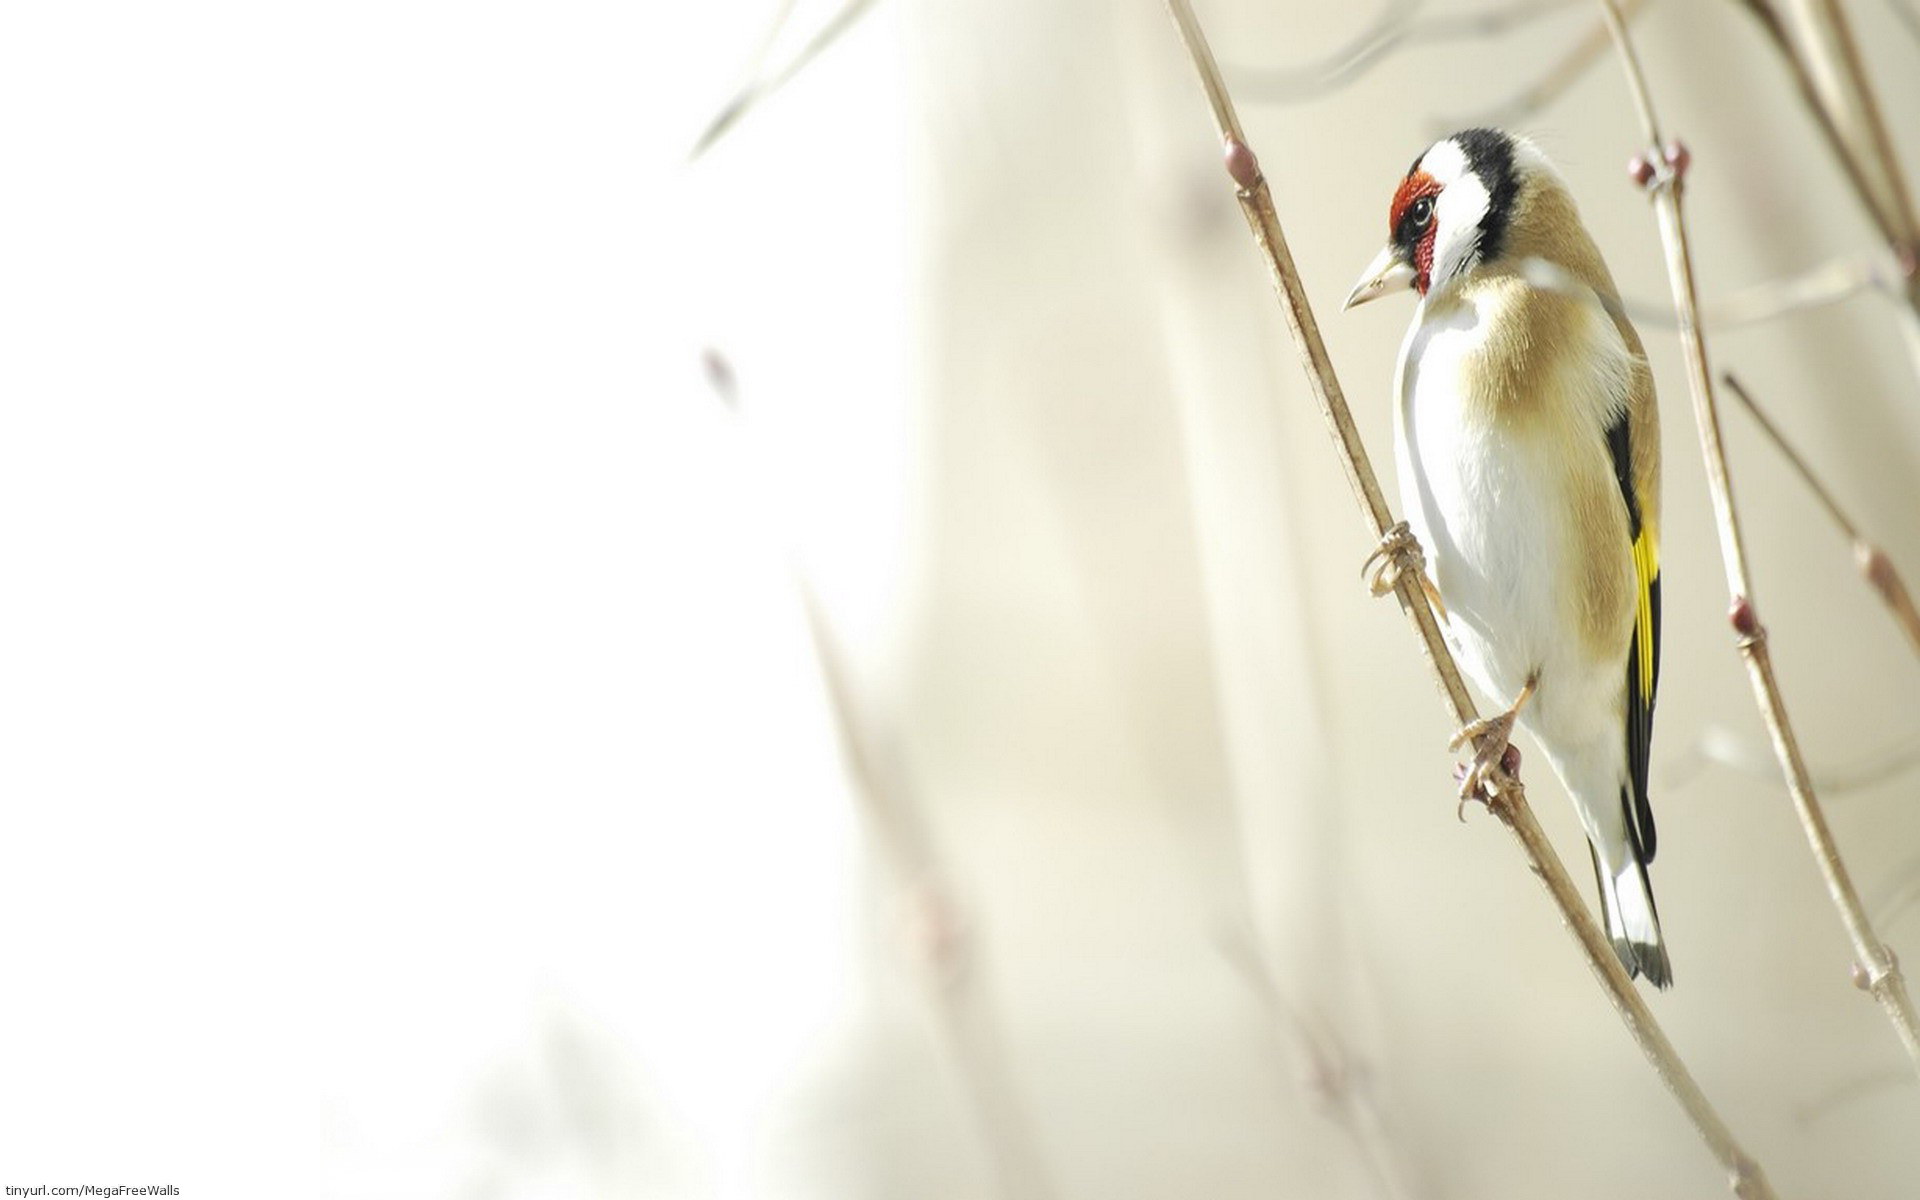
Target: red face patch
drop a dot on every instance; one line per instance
(1417, 242)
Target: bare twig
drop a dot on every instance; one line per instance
(756, 63)
(1908, 18)
(936, 930)
(1877, 966)
(1505, 798)
(1720, 746)
(1336, 1077)
(1855, 168)
(1832, 82)
(1879, 147)
(1247, 575)
(1829, 283)
(1551, 85)
(760, 86)
(1395, 29)
(1878, 150)
(1846, 1093)
(1874, 565)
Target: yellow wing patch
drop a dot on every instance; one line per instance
(1646, 569)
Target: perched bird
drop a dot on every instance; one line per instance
(1528, 448)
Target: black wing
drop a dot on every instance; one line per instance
(1643, 658)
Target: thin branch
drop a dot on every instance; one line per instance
(1396, 29)
(1908, 18)
(936, 929)
(1874, 565)
(1851, 164)
(1551, 85)
(762, 86)
(1879, 141)
(1877, 964)
(1850, 1092)
(1311, 1044)
(1336, 1077)
(1719, 746)
(757, 62)
(1829, 283)
(1871, 169)
(1505, 797)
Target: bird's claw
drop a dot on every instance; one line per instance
(1399, 554)
(1488, 755)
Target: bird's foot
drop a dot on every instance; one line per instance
(1493, 748)
(1398, 555)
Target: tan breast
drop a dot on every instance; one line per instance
(1551, 372)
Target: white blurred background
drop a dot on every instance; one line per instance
(418, 773)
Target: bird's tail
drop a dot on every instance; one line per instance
(1633, 923)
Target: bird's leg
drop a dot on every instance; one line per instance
(1399, 554)
(1489, 751)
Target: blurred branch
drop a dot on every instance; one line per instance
(1550, 86)
(1719, 746)
(1828, 283)
(1874, 565)
(1904, 13)
(1879, 143)
(1829, 56)
(761, 85)
(1248, 525)
(1663, 172)
(1851, 1091)
(936, 929)
(1504, 795)
(1337, 1078)
(1879, 150)
(1843, 150)
(1395, 29)
(935, 925)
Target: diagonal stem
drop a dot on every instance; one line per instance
(1877, 970)
(1875, 567)
(1872, 170)
(1507, 799)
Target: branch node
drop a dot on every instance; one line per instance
(1656, 169)
(1678, 157)
(1873, 978)
(720, 377)
(1241, 163)
(937, 934)
(1874, 565)
(1746, 623)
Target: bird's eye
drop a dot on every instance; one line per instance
(1422, 211)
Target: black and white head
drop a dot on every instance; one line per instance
(1450, 214)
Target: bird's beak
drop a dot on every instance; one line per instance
(1388, 272)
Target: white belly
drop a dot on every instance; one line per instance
(1491, 510)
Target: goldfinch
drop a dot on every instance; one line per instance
(1528, 449)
